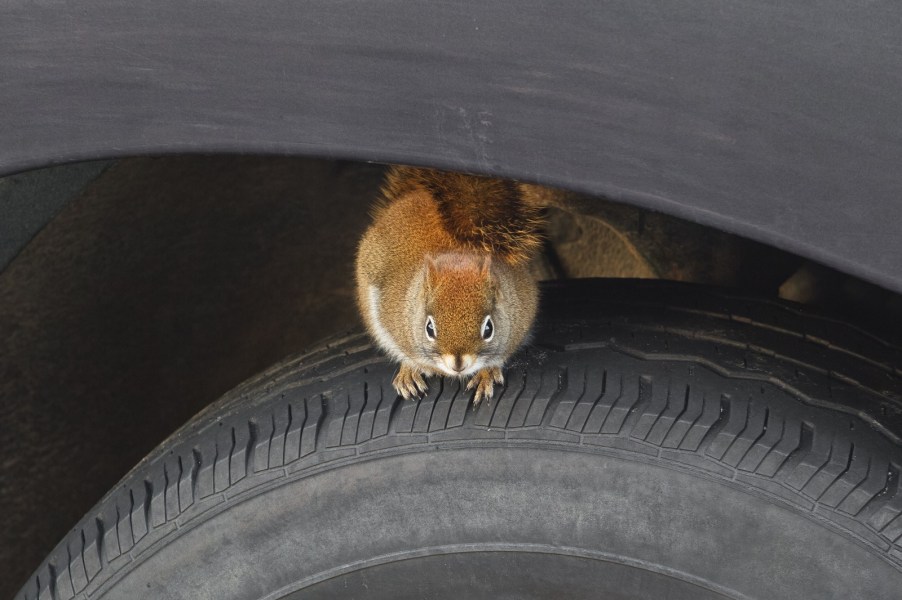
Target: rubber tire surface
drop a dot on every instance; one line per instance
(655, 440)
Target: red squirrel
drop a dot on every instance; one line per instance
(443, 278)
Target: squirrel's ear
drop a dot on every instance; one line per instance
(486, 269)
(431, 270)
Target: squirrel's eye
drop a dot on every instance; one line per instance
(488, 329)
(430, 328)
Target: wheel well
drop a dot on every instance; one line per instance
(164, 282)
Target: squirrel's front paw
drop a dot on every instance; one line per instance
(409, 382)
(484, 381)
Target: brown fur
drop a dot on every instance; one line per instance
(485, 214)
(430, 252)
(460, 290)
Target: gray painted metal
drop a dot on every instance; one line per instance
(777, 120)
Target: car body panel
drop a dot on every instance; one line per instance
(777, 121)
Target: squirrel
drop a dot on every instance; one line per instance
(443, 277)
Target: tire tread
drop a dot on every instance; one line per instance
(746, 399)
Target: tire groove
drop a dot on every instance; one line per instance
(166, 515)
(754, 441)
(485, 412)
(454, 396)
(130, 517)
(616, 419)
(51, 568)
(842, 500)
(101, 543)
(849, 481)
(197, 461)
(438, 420)
(71, 590)
(272, 436)
(366, 426)
(858, 487)
(459, 409)
(568, 399)
(840, 475)
(714, 429)
(290, 412)
(881, 509)
(513, 404)
(788, 451)
(383, 417)
(229, 462)
(81, 556)
(312, 433)
(177, 488)
(658, 400)
(425, 406)
(441, 391)
(682, 422)
(183, 500)
(358, 436)
(539, 418)
(667, 404)
(614, 403)
(662, 426)
(337, 417)
(520, 410)
(579, 417)
(638, 402)
(148, 491)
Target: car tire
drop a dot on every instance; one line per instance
(655, 440)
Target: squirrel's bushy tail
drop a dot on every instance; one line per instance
(496, 216)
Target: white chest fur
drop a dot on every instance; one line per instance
(383, 337)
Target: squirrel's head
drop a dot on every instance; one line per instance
(463, 326)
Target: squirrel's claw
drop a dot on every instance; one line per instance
(409, 382)
(484, 381)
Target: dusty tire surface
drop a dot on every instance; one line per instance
(654, 440)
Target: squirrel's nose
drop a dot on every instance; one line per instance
(458, 362)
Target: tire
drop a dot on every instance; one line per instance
(655, 440)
